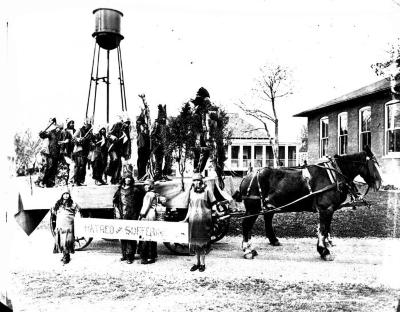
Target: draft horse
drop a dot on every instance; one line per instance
(322, 189)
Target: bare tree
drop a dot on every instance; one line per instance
(273, 84)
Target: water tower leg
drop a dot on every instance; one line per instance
(91, 79)
(121, 80)
(108, 86)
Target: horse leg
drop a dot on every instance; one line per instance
(328, 239)
(269, 230)
(325, 219)
(247, 226)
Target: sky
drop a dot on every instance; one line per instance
(171, 48)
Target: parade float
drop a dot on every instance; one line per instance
(96, 201)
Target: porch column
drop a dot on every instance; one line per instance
(264, 156)
(240, 165)
(286, 156)
(252, 155)
(228, 157)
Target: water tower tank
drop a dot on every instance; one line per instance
(107, 28)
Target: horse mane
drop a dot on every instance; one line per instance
(349, 163)
(356, 157)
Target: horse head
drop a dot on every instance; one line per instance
(162, 114)
(370, 171)
(363, 164)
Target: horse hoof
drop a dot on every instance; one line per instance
(328, 257)
(276, 243)
(248, 256)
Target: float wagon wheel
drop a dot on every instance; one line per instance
(220, 229)
(220, 225)
(80, 242)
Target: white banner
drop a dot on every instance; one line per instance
(160, 231)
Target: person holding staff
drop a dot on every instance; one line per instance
(128, 201)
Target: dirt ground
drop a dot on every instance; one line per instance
(363, 277)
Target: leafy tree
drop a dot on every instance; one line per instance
(182, 138)
(219, 137)
(183, 135)
(26, 149)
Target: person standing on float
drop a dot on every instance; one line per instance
(82, 140)
(202, 105)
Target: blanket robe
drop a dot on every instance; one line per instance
(64, 231)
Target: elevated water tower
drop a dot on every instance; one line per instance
(108, 37)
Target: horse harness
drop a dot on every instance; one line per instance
(332, 170)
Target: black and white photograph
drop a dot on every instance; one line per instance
(196, 155)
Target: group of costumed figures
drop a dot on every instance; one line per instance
(132, 202)
(71, 151)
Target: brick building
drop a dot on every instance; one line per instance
(365, 116)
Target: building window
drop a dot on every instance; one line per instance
(365, 127)
(246, 156)
(292, 156)
(342, 133)
(281, 155)
(323, 136)
(270, 156)
(393, 128)
(235, 156)
(258, 156)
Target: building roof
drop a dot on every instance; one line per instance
(242, 129)
(373, 88)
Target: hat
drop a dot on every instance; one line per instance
(87, 121)
(68, 121)
(60, 125)
(197, 176)
(66, 189)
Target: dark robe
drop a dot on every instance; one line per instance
(119, 145)
(99, 156)
(128, 201)
(82, 140)
(53, 156)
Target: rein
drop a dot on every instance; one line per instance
(325, 189)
